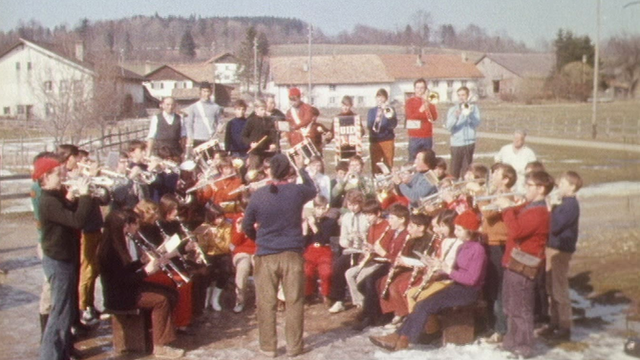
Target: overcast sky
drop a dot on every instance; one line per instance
(523, 20)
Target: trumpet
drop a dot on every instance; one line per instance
(98, 186)
(432, 97)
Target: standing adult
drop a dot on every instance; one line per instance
(259, 134)
(420, 114)
(203, 117)
(276, 211)
(274, 114)
(518, 155)
(299, 117)
(166, 129)
(61, 223)
(381, 122)
(462, 121)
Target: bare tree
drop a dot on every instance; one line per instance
(624, 50)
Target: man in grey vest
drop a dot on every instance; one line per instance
(202, 118)
(166, 130)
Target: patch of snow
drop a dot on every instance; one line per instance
(621, 188)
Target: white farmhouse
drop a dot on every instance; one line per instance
(360, 76)
(37, 80)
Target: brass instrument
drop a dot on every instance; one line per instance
(169, 269)
(388, 111)
(489, 207)
(201, 258)
(432, 97)
(429, 204)
(98, 186)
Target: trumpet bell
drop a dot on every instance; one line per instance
(434, 97)
(188, 165)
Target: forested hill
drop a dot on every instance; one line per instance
(159, 38)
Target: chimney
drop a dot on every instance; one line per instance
(419, 61)
(80, 51)
(464, 57)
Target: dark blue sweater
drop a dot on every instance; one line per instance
(278, 216)
(563, 234)
(233, 141)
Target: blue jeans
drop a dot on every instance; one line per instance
(63, 278)
(416, 144)
(451, 296)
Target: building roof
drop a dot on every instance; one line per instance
(199, 72)
(61, 54)
(222, 58)
(431, 66)
(186, 94)
(339, 69)
(167, 72)
(537, 65)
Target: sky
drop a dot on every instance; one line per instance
(524, 20)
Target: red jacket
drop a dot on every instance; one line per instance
(295, 136)
(412, 112)
(528, 228)
(242, 243)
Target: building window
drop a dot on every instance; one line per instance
(20, 109)
(332, 100)
(332, 88)
(435, 83)
(29, 66)
(463, 83)
(48, 109)
(18, 66)
(450, 83)
(64, 86)
(48, 86)
(7, 110)
(496, 86)
(360, 100)
(161, 85)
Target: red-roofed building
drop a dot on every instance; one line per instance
(361, 76)
(505, 75)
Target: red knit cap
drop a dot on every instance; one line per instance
(43, 166)
(294, 91)
(468, 220)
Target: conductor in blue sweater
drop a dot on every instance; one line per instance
(274, 219)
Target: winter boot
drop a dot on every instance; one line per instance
(215, 299)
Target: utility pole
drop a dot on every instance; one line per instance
(255, 68)
(596, 67)
(310, 98)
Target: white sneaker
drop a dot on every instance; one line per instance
(397, 320)
(337, 307)
(167, 352)
(238, 308)
(88, 318)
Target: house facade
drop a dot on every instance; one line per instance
(360, 76)
(38, 80)
(226, 67)
(510, 75)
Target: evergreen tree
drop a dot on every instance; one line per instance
(188, 45)
(570, 48)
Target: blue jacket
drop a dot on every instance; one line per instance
(463, 127)
(278, 216)
(386, 126)
(417, 188)
(563, 234)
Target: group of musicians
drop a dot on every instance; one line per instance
(186, 214)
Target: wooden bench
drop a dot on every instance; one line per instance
(458, 323)
(131, 330)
